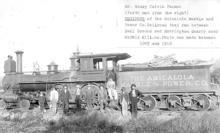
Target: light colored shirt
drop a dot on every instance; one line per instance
(110, 87)
(133, 93)
(110, 93)
(78, 91)
(54, 95)
(111, 84)
(115, 94)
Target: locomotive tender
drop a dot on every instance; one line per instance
(173, 87)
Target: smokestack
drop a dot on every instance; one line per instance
(19, 61)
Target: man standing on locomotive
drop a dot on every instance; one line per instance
(54, 99)
(134, 97)
(110, 86)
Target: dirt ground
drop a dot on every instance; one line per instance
(34, 121)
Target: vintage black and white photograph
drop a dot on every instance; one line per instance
(109, 66)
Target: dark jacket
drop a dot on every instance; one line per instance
(42, 99)
(136, 98)
(64, 96)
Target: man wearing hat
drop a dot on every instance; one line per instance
(134, 97)
(65, 96)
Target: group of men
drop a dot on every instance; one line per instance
(131, 99)
(126, 99)
(89, 97)
(59, 96)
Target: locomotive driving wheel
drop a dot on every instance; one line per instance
(202, 102)
(149, 103)
(89, 95)
(173, 103)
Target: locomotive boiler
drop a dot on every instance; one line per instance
(88, 71)
(171, 87)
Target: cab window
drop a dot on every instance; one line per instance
(109, 64)
(98, 64)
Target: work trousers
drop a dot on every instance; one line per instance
(110, 93)
(65, 107)
(89, 104)
(78, 103)
(41, 104)
(54, 106)
(124, 107)
(102, 102)
(134, 109)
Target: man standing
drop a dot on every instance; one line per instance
(89, 97)
(60, 93)
(54, 99)
(77, 99)
(110, 87)
(124, 101)
(41, 101)
(134, 97)
(65, 99)
(102, 97)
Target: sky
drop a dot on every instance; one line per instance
(50, 30)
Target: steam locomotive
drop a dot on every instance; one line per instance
(173, 87)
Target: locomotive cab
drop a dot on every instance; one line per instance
(92, 71)
(102, 65)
